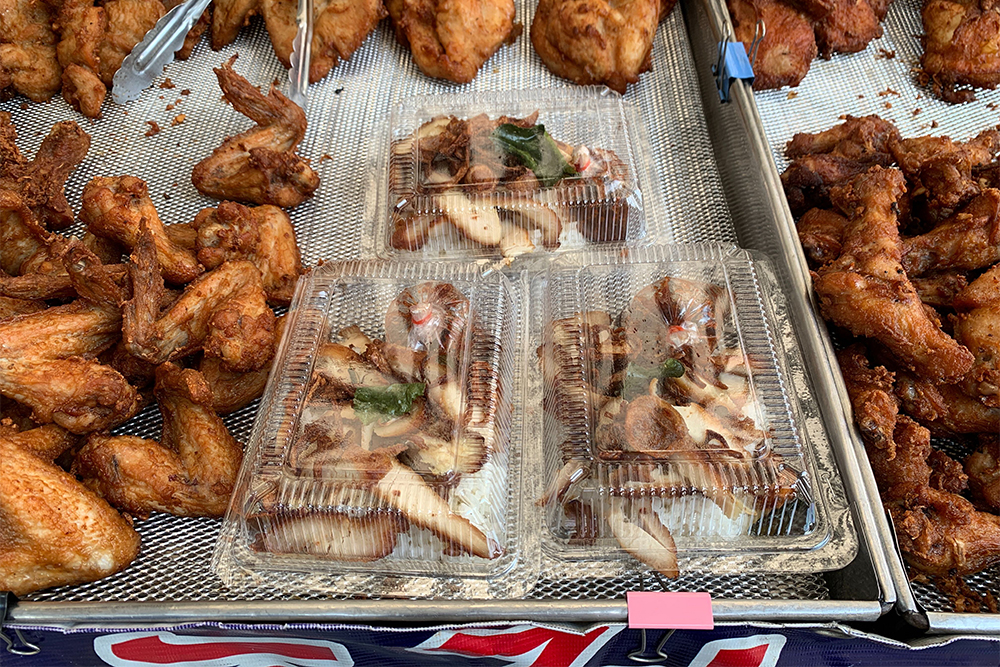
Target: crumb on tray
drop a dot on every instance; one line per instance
(154, 128)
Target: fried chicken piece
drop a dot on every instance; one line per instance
(912, 447)
(944, 408)
(847, 28)
(807, 181)
(228, 17)
(258, 166)
(939, 288)
(128, 23)
(194, 34)
(866, 291)
(78, 394)
(941, 533)
(872, 398)
(230, 390)
(114, 208)
(946, 473)
(340, 27)
(983, 469)
(592, 41)
(79, 328)
(821, 232)
(191, 472)
(867, 138)
(979, 329)
(39, 182)
(21, 237)
(961, 46)
(55, 531)
(81, 28)
(12, 307)
(223, 312)
(640, 533)
(941, 169)
(969, 239)
(28, 48)
(263, 235)
(788, 47)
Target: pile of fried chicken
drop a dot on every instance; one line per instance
(388, 429)
(794, 31)
(903, 236)
(481, 183)
(94, 329)
(655, 407)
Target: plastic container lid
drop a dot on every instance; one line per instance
(669, 434)
(508, 173)
(385, 458)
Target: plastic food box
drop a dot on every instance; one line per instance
(386, 456)
(736, 488)
(509, 173)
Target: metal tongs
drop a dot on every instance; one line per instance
(298, 72)
(156, 50)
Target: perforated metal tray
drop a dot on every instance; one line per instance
(171, 579)
(881, 80)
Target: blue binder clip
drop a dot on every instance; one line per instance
(734, 63)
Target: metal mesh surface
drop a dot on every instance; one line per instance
(343, 110)
(872, 82)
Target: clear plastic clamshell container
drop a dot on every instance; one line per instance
(385, 459)
(508, 173)
(669, 437)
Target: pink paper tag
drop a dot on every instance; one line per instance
(670, 611)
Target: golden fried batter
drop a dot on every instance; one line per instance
(258, 166)
(788, 47)
(969, 239)
(340, 27)
(847, 28)
(53, 531)
(451, 39)
(28, 48)
(81, 28)
(190, 473)
(113, 208)
(228, 17)
(977, 326)
(983, 468)
(128, 23)
(866, 291)
(595, 41)
(263, 235)
(961, 46)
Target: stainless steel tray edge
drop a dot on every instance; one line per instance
(764, 222)
(91, 614)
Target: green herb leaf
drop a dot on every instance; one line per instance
(671, 368)
(373, 404)
(535, 149)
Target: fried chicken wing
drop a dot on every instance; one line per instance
(872, 398)
(55, 532)
(983, 469)
(969, 239)
(79, 328)
(867, 138)
(594, 41)
(263, 235)
(78, 394)
(191, 472)
(807, 181)
(788, 47)
(452, 39)
(39, 182)
(944, 408)
(223, 312)
(961, 46)
(228, 17)
(358, 538)
(978, 328)
(258, 166)
(943, 168)
(821, 233)
(941, 533)
(128, 22)
(866, 291)
(231, 390)
(114, 208)
(10, 307)
(340, 27)
(28, 48)
(939, 288)
(21, 237)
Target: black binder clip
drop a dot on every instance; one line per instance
(734, 63)
(19, 645)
